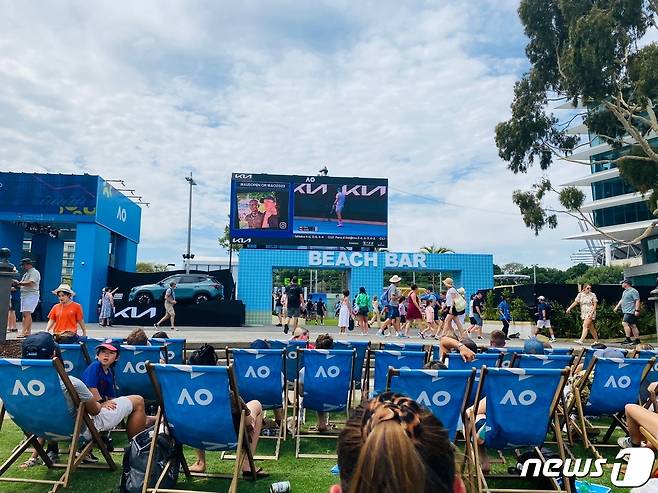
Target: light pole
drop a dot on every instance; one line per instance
(188, 256)
(534, 273)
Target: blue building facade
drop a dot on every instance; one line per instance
(50, 209)
(367, 269)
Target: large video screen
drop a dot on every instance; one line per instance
(309, 210)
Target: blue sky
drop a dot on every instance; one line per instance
(148, 91)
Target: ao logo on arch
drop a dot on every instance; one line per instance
(35, 388)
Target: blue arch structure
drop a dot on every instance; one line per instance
(472, 271)
(104, 223)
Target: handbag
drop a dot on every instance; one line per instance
(459, 303)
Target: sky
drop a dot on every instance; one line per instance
(150, 91)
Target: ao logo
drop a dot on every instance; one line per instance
(622, 382)
(292, 354)
(202, 397)
(525, 398)
(122, 215)
(170, 355)
(260, 372)
(331, 372)
(440, 398)
(35, 388)
(140, 367)
(68, 366)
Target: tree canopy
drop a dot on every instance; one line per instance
(592, 53)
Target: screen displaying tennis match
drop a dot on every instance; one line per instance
(309, 210)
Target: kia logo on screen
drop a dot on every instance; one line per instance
(242, 240)
(242, 176)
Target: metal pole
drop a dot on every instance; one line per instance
(191, 181)
(534, 273)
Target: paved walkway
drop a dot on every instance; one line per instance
(222, 336)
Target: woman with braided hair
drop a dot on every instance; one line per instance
(393, 445)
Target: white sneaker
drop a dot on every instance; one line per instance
(552, 339)
(624, 442)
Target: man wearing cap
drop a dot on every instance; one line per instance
(630, 308)
(544, 317)
(29, 285)
(65, 317)
(271, 215)
(393, 307)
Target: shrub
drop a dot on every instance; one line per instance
(519, 311)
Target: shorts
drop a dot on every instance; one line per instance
(472, 320)
(478, 320)
(108, 419)
(392, 312)
(29, 302)
(169, 308)
(543, 324)
(454, 311)
(293, 311)
(278, 309)
(403, 319)
(363, 311)
(629, 318)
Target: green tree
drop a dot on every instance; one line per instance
(225, 239)
(512, 268)
(601, 275)
(435, 249)
(150, 267)
(594, 53)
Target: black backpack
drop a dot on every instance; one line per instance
(542, 482)
(204, 356)
(136, 456)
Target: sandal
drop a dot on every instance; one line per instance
(260, 474)
(31, 462)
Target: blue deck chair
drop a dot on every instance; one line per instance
(587, 354)
(130, 370)
(75, 358)
(616, 382)
(456, 362)
(508, 353)
(548, 361)
(175, 349)
(652, 376)
(441, 391)
(196, 403)
(260, 375)
(327, 387)
(407, 360)
(91, 343)
(521, 408)
(32, 394)
(402, 346)
(291, 347)
(362, 348)
(559, 350)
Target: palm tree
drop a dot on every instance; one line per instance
(435, 249)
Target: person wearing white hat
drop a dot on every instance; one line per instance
(456, 307)
(544, 317)
(66, 316)
(391, 301)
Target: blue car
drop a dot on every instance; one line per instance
(192, 288)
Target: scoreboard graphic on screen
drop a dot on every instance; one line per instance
(309, 210)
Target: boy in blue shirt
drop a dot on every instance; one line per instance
(99, 375)
(504, 314)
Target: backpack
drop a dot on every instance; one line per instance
(204, 356)
(459, 303)
(135, 458)
(542, 481)
(385, 298)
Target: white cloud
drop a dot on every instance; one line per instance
(149, 91)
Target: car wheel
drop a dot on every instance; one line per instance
(201, 298)
(144, 299)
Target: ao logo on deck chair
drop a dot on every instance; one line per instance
(331, 372)
(525, 398)
(260, 372)
(622, 383)
(202, 397)
(139, 367)
(440, 398)
(33, 387)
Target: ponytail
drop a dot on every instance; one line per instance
(388, 463)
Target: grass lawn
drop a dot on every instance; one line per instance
(305, 475)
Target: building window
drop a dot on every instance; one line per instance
(622, 214)
(650, 250)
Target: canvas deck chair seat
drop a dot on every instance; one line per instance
(615, 383)
(559, 350)
(196, 406)
(260, 375)
(291, 347)
(587, 354)
(402, 346)
(441, 391)
(33, 395)
(75, 358)
(508, 354)
(130, 370)
(91, 343)
(385, 359)
(456, 362)
(548, 361)
(175, 349)
(325, 385)
(362, 348)
(520, 409)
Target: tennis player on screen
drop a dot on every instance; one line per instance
(339, 203)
